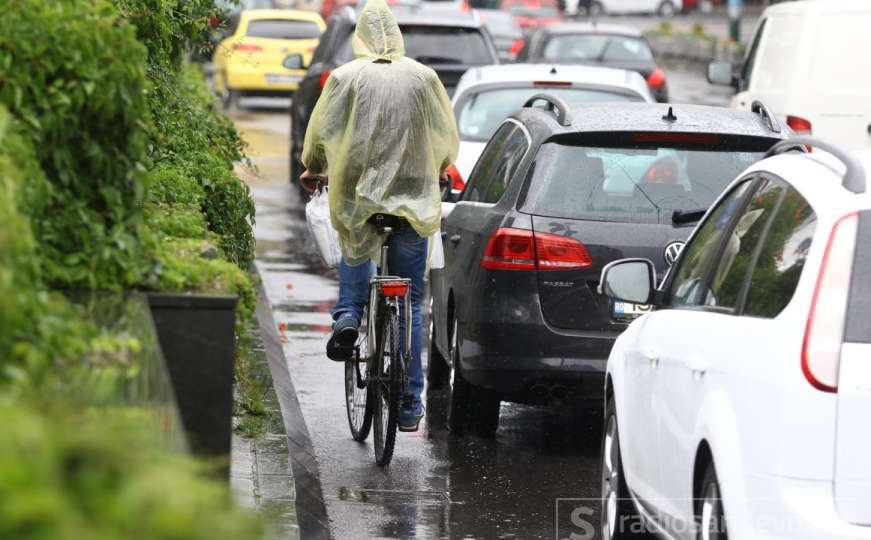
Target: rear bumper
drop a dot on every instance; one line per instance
(782, 508)
(241, 77)
(532, 362)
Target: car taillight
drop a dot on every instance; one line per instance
(457, 182)
(799, 125)
(324, 76)
(516, 47)
(248, 47)
(552, 84)
(517, 249)
(656, 79)
(824, 333)
(392, 289)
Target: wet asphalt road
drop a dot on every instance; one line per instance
(438, 486)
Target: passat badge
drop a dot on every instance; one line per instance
(672, 251)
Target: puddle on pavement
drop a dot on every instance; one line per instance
(386, 495)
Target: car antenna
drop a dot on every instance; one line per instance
(669, 116)
(553, 70)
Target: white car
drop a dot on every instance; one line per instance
(739, 403)
(809, 62)
(664, 8)
(485, 96)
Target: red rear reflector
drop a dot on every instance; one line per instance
(392, 289)
(694, 138)
(824, 333)
(324, 76)
(656, 79)
(517, 249)
(799, 125)
(247, 47)
(516, 47)
(559, 84)
(457, 182)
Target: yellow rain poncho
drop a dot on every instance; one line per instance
(383, 130)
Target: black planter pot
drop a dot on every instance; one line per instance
(197, 336)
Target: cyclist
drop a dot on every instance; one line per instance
(383, 131)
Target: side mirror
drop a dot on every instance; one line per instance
(721, 73)
(628, 280)
(293, 61)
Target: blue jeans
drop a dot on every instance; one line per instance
(406, 257)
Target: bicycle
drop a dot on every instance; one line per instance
(373, 391)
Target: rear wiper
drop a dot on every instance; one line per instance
(682, 217)
(438, 60)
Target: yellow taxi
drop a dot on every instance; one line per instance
(266, 53)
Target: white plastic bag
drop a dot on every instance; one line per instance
(436, 251)
(317, 215)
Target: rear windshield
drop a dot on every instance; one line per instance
(483, 112)
(597, 48)
(433, 45)
(643, 184)
(283, 29)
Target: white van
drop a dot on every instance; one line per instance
(810, 63)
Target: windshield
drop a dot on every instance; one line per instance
(601, 48)
(283, 29)
(483, 112)
(637, 185)
(438, 45)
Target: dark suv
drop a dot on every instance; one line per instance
(557, 194)
(448, 42)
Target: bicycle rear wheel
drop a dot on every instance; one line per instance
(358, 392)
(386, 388)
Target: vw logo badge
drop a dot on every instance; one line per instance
(672, 251)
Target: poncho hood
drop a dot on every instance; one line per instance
(377, 35)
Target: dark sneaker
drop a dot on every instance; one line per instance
(410, 415)
(340, 347)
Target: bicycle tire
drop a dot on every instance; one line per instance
(359, 414)
(386, 389)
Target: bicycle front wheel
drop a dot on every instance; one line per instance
(386, 388)
(358, 391)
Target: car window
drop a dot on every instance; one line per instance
(526, 8)
(433, 45)
(482, 112)
(282, 29)
(781, 257)
(597, 48)
(747, 70)
(506, 165)
(631, 183)
(737, 254)
(487, 164)
(322, 51)
(858, 328)
(696, 257)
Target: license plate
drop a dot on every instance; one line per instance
(627, 309)
(273, 78)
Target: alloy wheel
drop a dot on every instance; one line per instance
(610, 478)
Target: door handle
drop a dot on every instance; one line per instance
(652, 356)
(455, 239)
(696, 364)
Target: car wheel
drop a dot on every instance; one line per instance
(230, 100)
(709, 508)
(471, 410)
(666, 9)
(618, 517)
(437, 371)
(596, 9)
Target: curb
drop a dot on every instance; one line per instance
(311, 511)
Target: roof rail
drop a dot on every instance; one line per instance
(770, 120)
(854, 177)
(555, 105)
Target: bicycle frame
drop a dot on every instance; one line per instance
(383, 275)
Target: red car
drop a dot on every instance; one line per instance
(533, 13)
